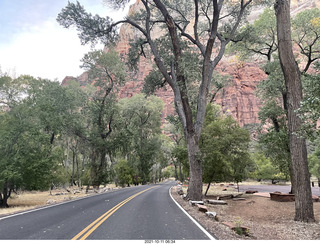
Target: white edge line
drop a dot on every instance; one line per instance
(193, 220)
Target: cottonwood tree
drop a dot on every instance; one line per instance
(179, 155)
(303, 197)
(106, 74)
(274, 141)
(227, 157)
(207, 25)
(141, 129)
(306, 35)
(29, 157)
(310, 107)
(258, 38)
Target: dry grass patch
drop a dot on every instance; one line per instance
(26, 200)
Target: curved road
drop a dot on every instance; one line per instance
(135, 213)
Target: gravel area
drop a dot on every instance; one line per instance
(265, 219)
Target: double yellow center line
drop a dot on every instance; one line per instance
(95, 224)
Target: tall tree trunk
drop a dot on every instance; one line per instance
(180, 173)
(195, 183)
(73, 162)
(176, 171)
(293, 183)
(298, 149)
(78, 173)
(207, 189)
(4, 197)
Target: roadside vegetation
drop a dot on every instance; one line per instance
(84, 135)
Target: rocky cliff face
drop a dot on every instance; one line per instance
(237, 99)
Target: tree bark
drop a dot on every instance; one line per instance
(73, 161)
(5, 195)
(207, 189)
(195, 183)
(298, 149)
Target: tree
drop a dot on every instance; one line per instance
(28, 158)
(306, 34)
(265, 169)
(309, 111)
(273, 135)
(257, 38)
(141, 121)
(298, 149)
(179, 154)
(224, 146)
(106, 73)
(222, 18)
(260, 38)
(314, 162)
(124, 173)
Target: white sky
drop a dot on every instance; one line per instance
(32, 42)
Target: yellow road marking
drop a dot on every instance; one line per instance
(95, 224)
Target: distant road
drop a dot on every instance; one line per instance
(273, 188)
(135, 213)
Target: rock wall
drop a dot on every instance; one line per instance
(238, 99)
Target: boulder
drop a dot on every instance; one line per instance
(315, 198)
(212, 215)
(180, 192)
(202, 208)
(51, 201)
(251, 192)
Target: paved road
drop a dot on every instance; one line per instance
(142, 212)
(273, 188)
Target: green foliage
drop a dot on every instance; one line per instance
(91, 28)
(314, 159)
(180, 154)
(27, 154)
(257, 38)
(141, 121)
(124, 173)
(106, 69)
(305, 33)
(100, 114)
(273, 134)
(175, 52)
(309, 111)
(265, 169)
(224, 146)
(169, 172)
(273, 87)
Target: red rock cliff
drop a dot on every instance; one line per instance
(237, 99)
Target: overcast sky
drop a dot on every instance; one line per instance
(32, 42)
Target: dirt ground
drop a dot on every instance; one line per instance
(266, 219)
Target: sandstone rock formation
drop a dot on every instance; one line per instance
(237, 99)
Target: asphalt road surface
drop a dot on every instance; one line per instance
(135, 213)
(272, 188)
